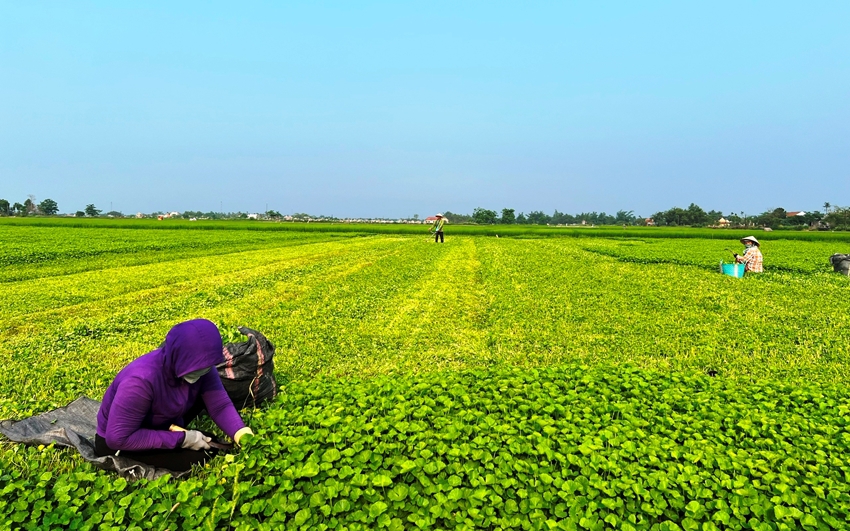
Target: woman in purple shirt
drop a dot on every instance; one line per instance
(146, 408)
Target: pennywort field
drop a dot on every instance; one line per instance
(486, 383)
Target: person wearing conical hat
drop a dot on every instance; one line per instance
(437, 228)
(752, 255)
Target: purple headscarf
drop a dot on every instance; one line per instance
(190, 346)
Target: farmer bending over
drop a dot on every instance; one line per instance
(437, 228)
(147, 406)
(752, 255)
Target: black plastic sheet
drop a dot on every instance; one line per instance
(75, 426)
(841, 263)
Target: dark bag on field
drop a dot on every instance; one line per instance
(841, 263)
(248, 370)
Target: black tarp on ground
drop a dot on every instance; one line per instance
(75, 425)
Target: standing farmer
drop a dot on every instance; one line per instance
(437, 228)
(752, 255)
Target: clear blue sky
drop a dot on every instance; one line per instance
(401, 108)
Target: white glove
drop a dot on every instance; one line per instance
(244, 431)
(196, 440)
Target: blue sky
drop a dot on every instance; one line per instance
(395, 109)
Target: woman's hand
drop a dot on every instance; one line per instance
(241, 433)
(196, 440)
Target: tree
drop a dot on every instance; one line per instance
(482, 216)
(811, 219)
(772, 218)
(537, 217)
(80, 214)
(697, 216)
(457, 218)
(273, 214)
(91, 211)
(624, 217)
(48, 207)
(4, 208)
(826, 207)
(19, 209)
(561, 218)
(693, 216)
(839, 218)
(508, 216)
(521, 219)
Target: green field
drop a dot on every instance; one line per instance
(526, 382)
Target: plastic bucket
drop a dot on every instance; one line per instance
(733, 270)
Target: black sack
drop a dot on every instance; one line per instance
(248, 370)
(841, 263)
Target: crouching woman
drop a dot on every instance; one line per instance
(147, 407)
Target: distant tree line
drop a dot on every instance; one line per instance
(483, 216)
(776, 218)
(833, 217)
(692, 216)
(48, 207)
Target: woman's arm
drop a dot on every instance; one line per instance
(130, 406)
(219, 405)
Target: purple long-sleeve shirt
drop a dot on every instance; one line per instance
(150, 394)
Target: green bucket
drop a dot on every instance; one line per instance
(733, 270)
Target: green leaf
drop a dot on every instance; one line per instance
(377, 509)
(809, 521)
(331, 455)
(407, 465)
(302, 516)
(398, 493)
(341, 506)
(382, 480)
(309, 470)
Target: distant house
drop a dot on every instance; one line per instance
(253, 216)
(431, 218)
(649, 222)
(723, 222)
(793, 214)
(139, 215)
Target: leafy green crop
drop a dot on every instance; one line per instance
(482, 383)
(554, 448)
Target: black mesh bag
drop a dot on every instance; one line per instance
(248, 370)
